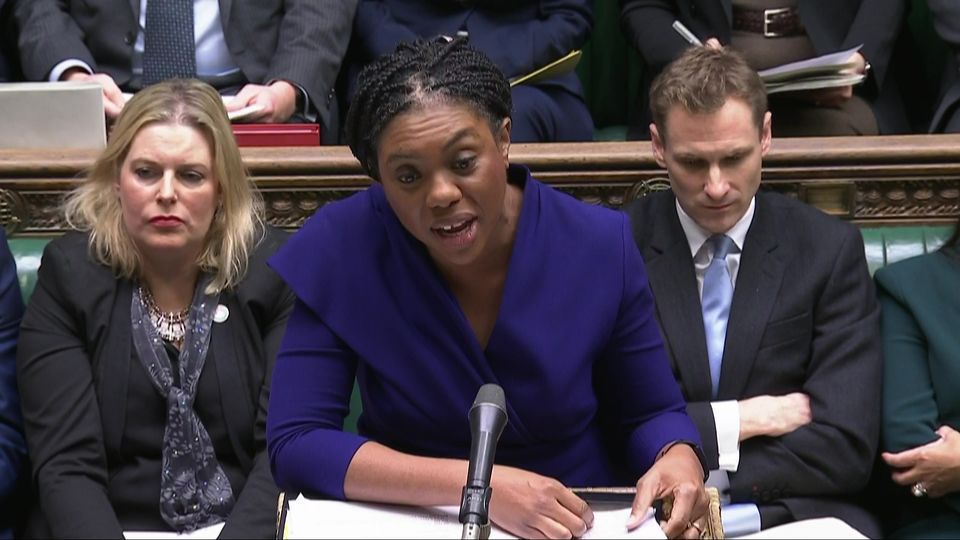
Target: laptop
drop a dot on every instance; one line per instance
(52, 116)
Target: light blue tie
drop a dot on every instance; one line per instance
(717, 293)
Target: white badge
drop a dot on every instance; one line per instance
(221, 314)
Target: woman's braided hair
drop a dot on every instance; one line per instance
(421, 73)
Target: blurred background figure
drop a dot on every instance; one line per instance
(920, 299)
(775, 32)
(283, 55)
(148, 345)
(520, 36)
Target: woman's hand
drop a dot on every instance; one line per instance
(677, 475)
(936, 465)
(533, 506)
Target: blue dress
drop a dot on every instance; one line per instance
(576, 347)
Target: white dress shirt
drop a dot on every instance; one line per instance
(213, 57)
(738, 519)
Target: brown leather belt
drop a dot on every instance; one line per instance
(771, 23)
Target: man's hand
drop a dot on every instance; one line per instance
(773, 416)
(677, 475)
(112, 96)
(838, 95)
(533, 506)
(279, 101)
(936, 465)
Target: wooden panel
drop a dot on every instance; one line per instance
(913, 178)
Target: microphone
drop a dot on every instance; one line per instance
(488, 416)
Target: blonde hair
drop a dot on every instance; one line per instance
(95, 207)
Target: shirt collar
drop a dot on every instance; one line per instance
(697, 235)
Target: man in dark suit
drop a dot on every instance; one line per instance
(766, 306)
(281, 54)
(813, 26)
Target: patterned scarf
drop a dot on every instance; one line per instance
(194, 491)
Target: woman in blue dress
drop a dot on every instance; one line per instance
(457, 269)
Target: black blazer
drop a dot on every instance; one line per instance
(804, 318)
(832, 26)
(73, 366)
(946, 20)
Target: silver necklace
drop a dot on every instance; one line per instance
(171, 325)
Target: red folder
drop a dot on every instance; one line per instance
(277, 134)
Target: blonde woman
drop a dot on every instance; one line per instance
(146, 351)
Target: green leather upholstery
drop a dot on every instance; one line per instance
(888, 244)
(27, 251)
(883, 245)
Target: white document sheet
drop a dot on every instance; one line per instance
(308, 518)
(205, 533)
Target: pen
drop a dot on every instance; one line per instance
(685, 33)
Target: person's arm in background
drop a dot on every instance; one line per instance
(377, 31)
(833, 454)
(52, 48)
(60, 409)
(877, 25)
(647, 27)
(13, 448)
(911, 417)
(518, 47)
(313, 40)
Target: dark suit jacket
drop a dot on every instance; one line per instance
(302, 41)
(73, 363)
(804, 318)
(519, 36)
(946, 20)
(832, 26)
(13, 449)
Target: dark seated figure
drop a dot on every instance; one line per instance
(13, 448)
(147, 348)
(920, 298)
(520, 36)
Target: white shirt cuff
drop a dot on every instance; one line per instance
(726, 414)
(60, 68)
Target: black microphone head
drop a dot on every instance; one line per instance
(489, 411)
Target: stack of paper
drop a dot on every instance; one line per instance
(827, 71)
(52, 115)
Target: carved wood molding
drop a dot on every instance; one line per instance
(905, 179)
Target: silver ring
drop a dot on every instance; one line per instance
(918, 490)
